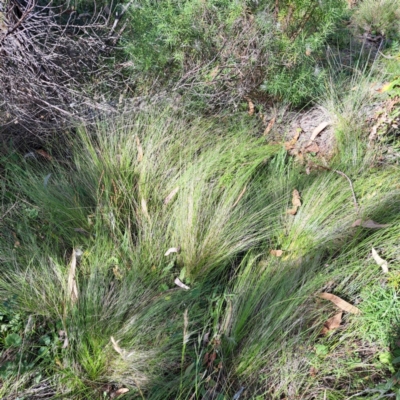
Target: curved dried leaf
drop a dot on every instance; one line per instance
(139, 149)
(44, 154)
(171, 195)
(116, 346)
(144, 208)
(178, 282)
(269, 126)
(332, 323)
(72, 289)
(121, 391)
(239, 197)
(342, 304)
(172, 250)
(251, 105)
(296, 198)
(380, 261)
(369, 223)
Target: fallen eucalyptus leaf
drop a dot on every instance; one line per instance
(239, 197)
(296, 202)
(380, 261)
(139, 149)
(144, 208)
(296, 198)
(171, 195)
(44, 154)
(251, 106)
(317, 131)
(368, 224)
(342, 304)
(121, 391)
(178, 282)
(116, 346)
(291, 143)
(312, 148)
(269, 126)
(72, 289)
(332, 323)
(172, 250)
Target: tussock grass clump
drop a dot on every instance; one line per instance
(217, 195)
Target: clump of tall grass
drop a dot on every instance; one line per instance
(217, 195)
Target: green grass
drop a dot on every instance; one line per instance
(88, 297)
(249, 320)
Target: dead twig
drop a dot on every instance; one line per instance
(351, 187)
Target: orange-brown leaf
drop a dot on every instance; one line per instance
(312, 148)
(332, 323)
(296, 198)
(342, 304)
(251, 105)
(292, 211)
(139, 149)
(269, 126)
(44, 154)
(121, 391)
(291, 143)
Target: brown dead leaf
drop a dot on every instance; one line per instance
(292, 211)
(296, 198)
(251, 106)
(379, 122)
(139, 149)
(296, 202)
(144, 208)
(171, 195)
(214, 72)
(369, 223)
(380, 261)
(172, 250)
(239, 197)
(291, 143)
(312, 148)
(72, 289)
(121, 391)
(332, 323)
(116, 347)
(212, 358)
(317, 131)
(342, 304)
(276, 253)
(44, 154)
(205, 359)
(269, 126)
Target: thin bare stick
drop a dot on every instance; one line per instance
(2, 217)
(351, 187)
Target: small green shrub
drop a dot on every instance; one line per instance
(217, 51)
(379, 17)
